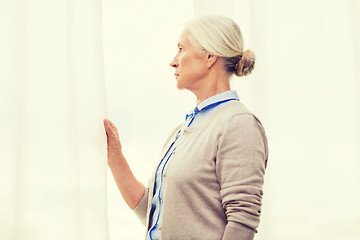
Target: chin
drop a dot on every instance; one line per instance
(179, 85)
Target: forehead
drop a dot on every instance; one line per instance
(184, 39)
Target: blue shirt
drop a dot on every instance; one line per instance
(200, 113)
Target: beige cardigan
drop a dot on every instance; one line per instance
(213, 182)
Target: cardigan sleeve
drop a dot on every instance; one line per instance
(240, 168)
(141, 209)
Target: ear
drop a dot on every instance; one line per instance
(211, 59)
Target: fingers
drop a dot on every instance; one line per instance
(113, 128)
(109, 131)
(113, 141)
(110, 128)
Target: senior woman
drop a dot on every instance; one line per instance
(208, 183)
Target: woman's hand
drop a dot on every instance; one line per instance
(114, 151)
(130, 188)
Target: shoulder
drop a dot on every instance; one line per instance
(236, 122)
(234, 110)
(234, 117)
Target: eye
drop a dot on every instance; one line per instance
(179, 48)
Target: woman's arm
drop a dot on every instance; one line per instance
(130, 188)
(241, 160)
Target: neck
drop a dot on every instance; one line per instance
(212, 86)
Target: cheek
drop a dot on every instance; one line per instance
(183, 60)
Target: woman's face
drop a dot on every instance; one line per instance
(190, 66)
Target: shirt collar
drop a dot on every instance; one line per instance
(231, 94)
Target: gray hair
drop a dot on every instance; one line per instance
(222, 37)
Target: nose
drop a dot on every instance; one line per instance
(174, 63)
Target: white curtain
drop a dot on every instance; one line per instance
(305, 89)
(52, 101)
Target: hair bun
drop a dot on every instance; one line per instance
(246, 63)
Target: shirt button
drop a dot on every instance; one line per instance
(162, 201)
(159, 228)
